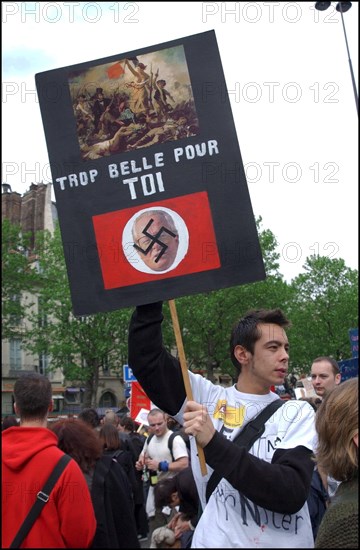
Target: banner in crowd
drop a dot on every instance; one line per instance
(138, 401)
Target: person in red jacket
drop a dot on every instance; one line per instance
(29, 455)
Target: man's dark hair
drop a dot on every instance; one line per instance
(163, 491)
(90, 416)
(247, 332)
(331, 360)
(128, 423)
(33, 395)
(184, 485)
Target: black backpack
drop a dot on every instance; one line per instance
(170, 441)
(138, 441)
(317, 501)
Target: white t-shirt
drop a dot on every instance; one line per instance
(230, 520)
(158, 449)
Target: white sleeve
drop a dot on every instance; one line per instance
(296, 425)
(204, 392)
(179, 448)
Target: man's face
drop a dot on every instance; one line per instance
(159, 245)
(323, 378)
(268, 365)
(157, 424)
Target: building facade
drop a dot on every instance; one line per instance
(35, 211)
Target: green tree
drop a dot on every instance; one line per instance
(79, 346)
(17, 278)
(324, 308)
(206, 319)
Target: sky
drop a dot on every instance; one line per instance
(288, 76)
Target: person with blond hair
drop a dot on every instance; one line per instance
(337, 426)
(163, 454)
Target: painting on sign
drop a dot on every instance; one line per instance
(149, 182)
(131, 106)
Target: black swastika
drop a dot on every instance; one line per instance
(154, 239)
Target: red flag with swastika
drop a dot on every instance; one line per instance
(119, 260)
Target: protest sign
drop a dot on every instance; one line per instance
(142, 417)
(149, 182)
(138, 401)
(307, 390)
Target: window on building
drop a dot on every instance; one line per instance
(16, 307)
(15, 353)
(105, 365)
(42, 317)
(43, 363)
(72, 395)
(57, 399)
(108, 399)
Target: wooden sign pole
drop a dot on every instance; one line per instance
(185, 374)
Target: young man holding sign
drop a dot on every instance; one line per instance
(260, 498)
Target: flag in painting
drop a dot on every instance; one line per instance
(115, 71)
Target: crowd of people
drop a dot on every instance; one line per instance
(295, 485)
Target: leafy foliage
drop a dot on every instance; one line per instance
(17, 278)
(324, 308)
(321, 302)
(207, 318)
(79, 346)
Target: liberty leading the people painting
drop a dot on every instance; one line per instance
(133, 103)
